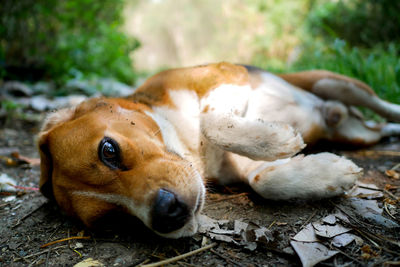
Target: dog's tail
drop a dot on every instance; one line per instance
(330, 85)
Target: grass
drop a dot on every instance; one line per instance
(379, 66)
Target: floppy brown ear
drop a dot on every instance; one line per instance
(46, 167)
(46, 163)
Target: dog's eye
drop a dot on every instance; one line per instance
(109, 153)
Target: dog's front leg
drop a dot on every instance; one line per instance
(305, 177)
(314, 176)
(257, 140)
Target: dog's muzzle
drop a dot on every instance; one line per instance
(169, 212)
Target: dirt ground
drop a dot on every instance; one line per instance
(30, 221)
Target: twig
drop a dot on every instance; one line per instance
(370, 236)
(63, 240)
(182, 263)
(39, 253)
(364, 234)
(180, 257)
(370, 188)
(350, 257)
(352, 217)
(389, 263)
(35, 262)
(230, 197)
(395, 167)
(381, 190)
(47, 257)
(380, 153)
(143, 262)
(269, 227)
(26, 216)
(309, 219)
(390, 194)
(226, 258)
(387, 211)
(56, 230)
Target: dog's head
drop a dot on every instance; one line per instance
(108, 154)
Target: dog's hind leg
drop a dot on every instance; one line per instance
(314, 176)
(352, 92)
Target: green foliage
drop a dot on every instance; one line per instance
(10, 106)
(358, 38)
(359, 22)
(379, 66)
(64, 39)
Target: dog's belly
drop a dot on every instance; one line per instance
(276, 100)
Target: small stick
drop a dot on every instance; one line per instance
(387, 211)
(395, 167)
(370, 188)
(144, 262)
(230, 197)
(26, 216)
(390, 194)
(48, 257)
(381, 190)
(381, 153)
(226, 258)
(309, 219)
(63, 240)
(39, 253)
(350, 257)
(269, 227)
(180, 257)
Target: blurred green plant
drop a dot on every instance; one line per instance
(363, 43)
(64, 39)
(359, 22)
(379, 66)
(10, 106)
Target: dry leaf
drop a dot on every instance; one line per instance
(362, 192)
(369, 210)
(30, 161)
(7, 184)
(343, 240)
(312, 253)
(89, 262)
(392, 174)
(329, 231)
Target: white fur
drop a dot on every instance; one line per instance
(238, 119)
(169, 134)
(276, 100)
(257, 140)
(226, 124)
(313, 176)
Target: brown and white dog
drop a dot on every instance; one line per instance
(151, 152)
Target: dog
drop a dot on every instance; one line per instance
(151, 152)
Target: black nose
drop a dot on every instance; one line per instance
(169, 212)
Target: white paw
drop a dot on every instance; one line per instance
(314, 176)
(256, 139)
(283, 143)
